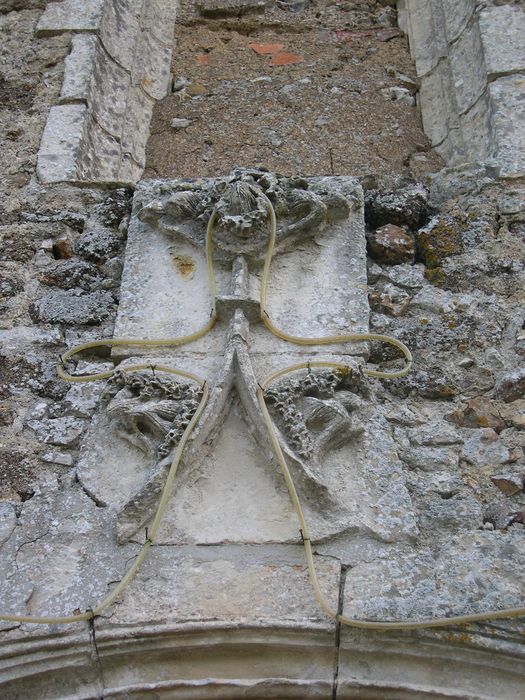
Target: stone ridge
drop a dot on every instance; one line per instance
(119, 64)
(472, 82)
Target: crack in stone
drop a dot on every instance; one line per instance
(340, 604)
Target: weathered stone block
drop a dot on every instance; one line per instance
(502, 30)
(119, 30)
(457, 14)
(129, 170)
(404, 664)
(135, 130)
(99, 158)
(61, 143)
(468, 68)
(70, 15)
(159, 20)
(108, 93)
(508, 104)
(228, 583)
(438, 106)
(428, 43)
(458, 580)
(477, 130)
(79, 68)
(151, 66)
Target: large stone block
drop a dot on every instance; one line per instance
(151, 65)
(135, 130)
(457, 580)
(120, 28)
(468, 68)
(502, 30)
(61, 143)
(438, 103)
(70, 16)
(450, 664)
(108, 93)
(428, 42)
(231, 583)
(508, 105)
(99, 159)
(457, 13)
(478, 131)
(79, 68)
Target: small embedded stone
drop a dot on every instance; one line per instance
(63, 248)
(64, 459)
(388, 33)
(406, 206)
(72, 306)
(399, 94)
(439, 240)
(58, 431)
(509, 484)
(180, 123)
(98, 244)
(479, 412)
(511, 386)
(484, 448)
(218, 8)
(391, 245)
(266, 48)
(285, 59)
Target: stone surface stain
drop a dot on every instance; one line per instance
(185, 265)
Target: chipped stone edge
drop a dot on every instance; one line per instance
(73, 146)
(464, 131)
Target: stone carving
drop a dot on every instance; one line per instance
(315, 412)
(146, 409)
(242, 226)
(336, 461)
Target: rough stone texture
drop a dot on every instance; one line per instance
(303, 88)
(511, 386)
(458, 50)
(391, 244)
(117, 67)
(73, 306)
(70, 15)
(61, 143)
(428, 584)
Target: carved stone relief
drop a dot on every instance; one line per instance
(229, 487)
